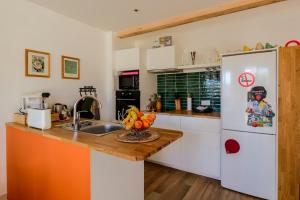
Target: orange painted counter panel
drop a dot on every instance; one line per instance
(40, 168)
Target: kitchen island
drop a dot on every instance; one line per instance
(57, 164)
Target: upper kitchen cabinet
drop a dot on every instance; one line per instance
(127, 59)
(163, 58)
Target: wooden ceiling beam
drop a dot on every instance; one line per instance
(199, 15)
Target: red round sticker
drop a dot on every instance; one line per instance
(232, 146)
(246, 79)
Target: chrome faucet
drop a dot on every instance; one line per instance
(76, 114)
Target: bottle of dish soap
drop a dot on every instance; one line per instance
(189, 102)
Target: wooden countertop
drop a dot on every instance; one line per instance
(108, 143)
(213, 115)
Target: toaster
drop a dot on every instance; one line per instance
(39, 118)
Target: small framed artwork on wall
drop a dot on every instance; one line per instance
(70, 67)
(37, 63)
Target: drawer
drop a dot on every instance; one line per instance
(201, 124)
(167, 122)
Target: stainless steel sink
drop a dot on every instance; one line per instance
(97, 128)
(101, 129)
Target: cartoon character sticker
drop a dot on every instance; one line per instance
(259, 111)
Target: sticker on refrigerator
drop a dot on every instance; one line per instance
(246, 79)
(259, 111)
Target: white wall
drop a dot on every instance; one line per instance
(275, 23)
(26, 25)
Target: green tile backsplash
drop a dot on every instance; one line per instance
(201, 85)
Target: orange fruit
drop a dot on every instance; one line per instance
(146, 124)
(140, 114)
(148, 121)
(138, 124)
(152, 116)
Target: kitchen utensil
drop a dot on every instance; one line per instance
(45, 95)
(55, 117)
(178, 104)
(193, 57)
(189, 102)
(58, 107)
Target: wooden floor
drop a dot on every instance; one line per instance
(163, 183)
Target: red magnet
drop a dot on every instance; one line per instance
(232, 146)
(246, 79)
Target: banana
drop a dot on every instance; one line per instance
(126, 120)
(134, 109)
(133, 115)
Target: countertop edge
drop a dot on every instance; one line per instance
(125, 156)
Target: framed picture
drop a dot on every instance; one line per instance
(165, 41)
(37, 63)
(70, 67)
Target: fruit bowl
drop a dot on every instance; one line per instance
(137, 124)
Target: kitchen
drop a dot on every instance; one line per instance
(229, 32)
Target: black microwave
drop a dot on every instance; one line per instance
(129, 80)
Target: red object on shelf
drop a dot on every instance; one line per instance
(232, 146)
(292, 42)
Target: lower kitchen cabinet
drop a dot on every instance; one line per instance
(201, 145)
(201, 153)
(198, 151)
(170, 156)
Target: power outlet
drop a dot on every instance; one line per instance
(205, 103)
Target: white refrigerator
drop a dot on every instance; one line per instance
(249, 123)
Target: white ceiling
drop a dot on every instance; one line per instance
(116, 15)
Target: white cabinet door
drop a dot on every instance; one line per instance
(198, 151)
(161, 58)
(252, 170)
(201, 146)
(262, 66)
(201, 152)
(127, 59)
(171, 155)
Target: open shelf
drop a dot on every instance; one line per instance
(199, 66)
